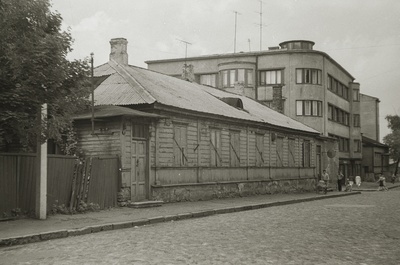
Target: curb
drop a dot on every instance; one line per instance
(7, 242)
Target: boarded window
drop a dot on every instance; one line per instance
(180, 145)
(306, 154)
(234, 149)
(259, 150)
(279, 152)
(215, 142)
(292, 151)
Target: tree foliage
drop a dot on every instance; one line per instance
(393, 139)
(34, 70)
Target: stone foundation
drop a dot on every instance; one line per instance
(209, 191)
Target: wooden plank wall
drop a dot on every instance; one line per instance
(102, 143)
(60, 173)
(198, 152)
(8, 183)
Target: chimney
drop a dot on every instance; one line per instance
(118, 51)
(277, 100)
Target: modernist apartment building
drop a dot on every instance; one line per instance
(304, 84)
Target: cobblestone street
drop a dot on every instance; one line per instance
(361, 229)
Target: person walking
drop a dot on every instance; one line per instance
(325, 177)
(339, 180)
(393, 178)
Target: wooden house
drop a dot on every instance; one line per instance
(183, 141)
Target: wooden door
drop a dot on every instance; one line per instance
(138, 170)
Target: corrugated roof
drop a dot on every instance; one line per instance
(113, 111)
(133, 85)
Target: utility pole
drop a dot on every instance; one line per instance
(92, 83)
(234, 44)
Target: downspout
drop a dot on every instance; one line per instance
(92, 84)
(256, 79)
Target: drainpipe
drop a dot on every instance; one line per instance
(92, 83)
(256, 81)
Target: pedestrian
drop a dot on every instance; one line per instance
(325, 177)
(339, 180)
(358, 181)
(381, 181)
(393, 178)
(350, 183)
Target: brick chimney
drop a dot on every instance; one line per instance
(277, 100)
(118, 51)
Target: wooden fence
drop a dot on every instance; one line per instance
(69, 181)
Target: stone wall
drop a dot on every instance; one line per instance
(209, 191)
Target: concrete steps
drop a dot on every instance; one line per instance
(145, 204)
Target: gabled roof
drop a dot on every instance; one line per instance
(130, 85)
(372, 142)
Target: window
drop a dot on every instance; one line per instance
(233, 76)
(259, 150)
(208, 80)
(338, 115)
(357, 146)
(356, 120)
(306, 153)
(234, 149)
(270, 77)
(180, 145)
(292, 151)
(356, 95)
(343, 143)
(338, 88)
(309, 108)
(279, 152)
(139, 131)
(215, 142)
(308, 76)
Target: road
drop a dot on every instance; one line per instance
(360, 229)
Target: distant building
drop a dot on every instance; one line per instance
(304, 84)
(375, 159)
(183, 141)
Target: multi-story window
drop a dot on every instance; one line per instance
(338, 88)
(357, 146)
(356, 120)
(309, 108)
(208, 80)
(180, 145)
(215, 142)
(356, 95)
(344, 143)
(242, 76)
(338, 115)
(308, 76)
(271, 77)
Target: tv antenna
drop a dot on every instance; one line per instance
(186, 44)
(261, 24)
(234, 44)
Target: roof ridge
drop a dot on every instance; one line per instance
(129, 78)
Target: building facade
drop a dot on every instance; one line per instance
(302, 83)
(186, 141)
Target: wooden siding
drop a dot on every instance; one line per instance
(200, 152)
(102, 143)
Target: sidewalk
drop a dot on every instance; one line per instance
(373, 186)
(58, 226)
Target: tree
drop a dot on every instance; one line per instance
(393, 139)
(34, 70)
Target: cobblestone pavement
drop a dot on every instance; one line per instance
(362, 229)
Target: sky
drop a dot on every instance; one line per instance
(361, 35)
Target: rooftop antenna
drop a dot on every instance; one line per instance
(186, 44)
(249, 45)
(234, 46)
(261, 24)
